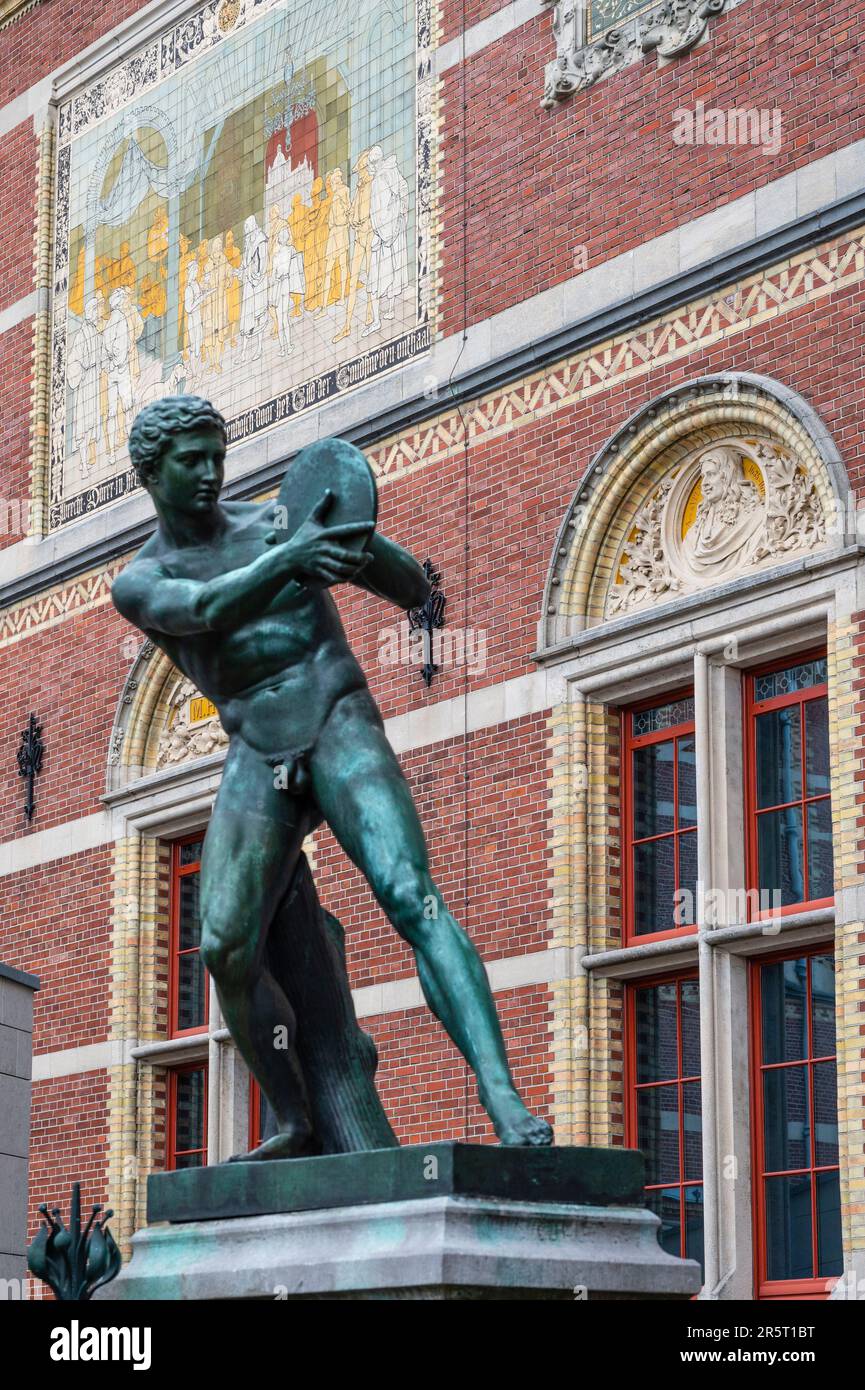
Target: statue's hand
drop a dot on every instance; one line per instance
(315, 552)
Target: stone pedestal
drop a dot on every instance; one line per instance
(16, 1028)
(433, 1221)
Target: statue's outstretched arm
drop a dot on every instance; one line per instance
(393, 574)
(156, 602)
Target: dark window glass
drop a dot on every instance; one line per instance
(189, 920)
(654, 886)
(788, 1227)
(687, 785)
(780, 856)
(821, 878)
(830, 1256)
(797, 1101)
(188, 977)
(657, 1032)
(666, 1113)
(784, 1010)
(787, 1120)
(779, 757)
(791, 804)
(823, 1005)
(191, 991)
(191, 853)
(188, 1098)
(654, 790)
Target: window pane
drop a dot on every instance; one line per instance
(189, 1110)
(693, 1121)
(794, 678)
(821, 878)
(266, 1118)
(654, 886)
(779, 756)
(816, 747)
(823, 1005)
(657, 1047)
(191, 853)
(829, 1253)
(686, 906)
(191, 991)
(825, 1114)
(193, 1160)
(652, 721)
(666, 1203)
(658, 1132)
(653, 789)
(785, 1019)
(779, 855)
(788, 1228)
(687, 766)
(694, 1224)
(189, 923)
(690, 997)
(786, 1119)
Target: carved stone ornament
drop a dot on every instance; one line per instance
(186, 736)
(14, 9)
(668, 29)
(734, 506)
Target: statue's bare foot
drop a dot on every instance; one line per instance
(514, 1124)
(292, 1143)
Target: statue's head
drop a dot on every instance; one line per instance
(718, 473)
(177, 447)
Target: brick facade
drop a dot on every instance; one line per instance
(519, 791)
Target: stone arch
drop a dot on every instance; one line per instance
(662, 438)
(155, 699)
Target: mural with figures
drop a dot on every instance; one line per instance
(242, 212)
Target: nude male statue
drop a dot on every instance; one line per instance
(245, 613)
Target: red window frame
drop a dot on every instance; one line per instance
(818, 1286)
(172, 1151)
(633, 1086)
(630, 742)
(254, 1113)
(179, 871)
(753, 708)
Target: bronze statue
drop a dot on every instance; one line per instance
(243, 611)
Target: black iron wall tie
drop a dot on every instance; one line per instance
(30, 756)
(429, 617)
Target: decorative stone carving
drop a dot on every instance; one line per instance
(734, 506)
(185, 736)
(14, 9)
(670, 29)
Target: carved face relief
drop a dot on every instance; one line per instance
(734, 506)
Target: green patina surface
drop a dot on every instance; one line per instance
(586, 1176)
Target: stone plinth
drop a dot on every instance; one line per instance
(432, 1221)
(16, 1028)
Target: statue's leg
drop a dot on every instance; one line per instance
(360, 789)
(306, 952)
(250, 852)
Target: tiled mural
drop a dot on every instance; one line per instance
(243, 212)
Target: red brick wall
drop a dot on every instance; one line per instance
(70, 675)
(57, 925)
(425, 1086)
(601, 171)
(52, 34)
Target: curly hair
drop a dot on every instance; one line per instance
(158, 423)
